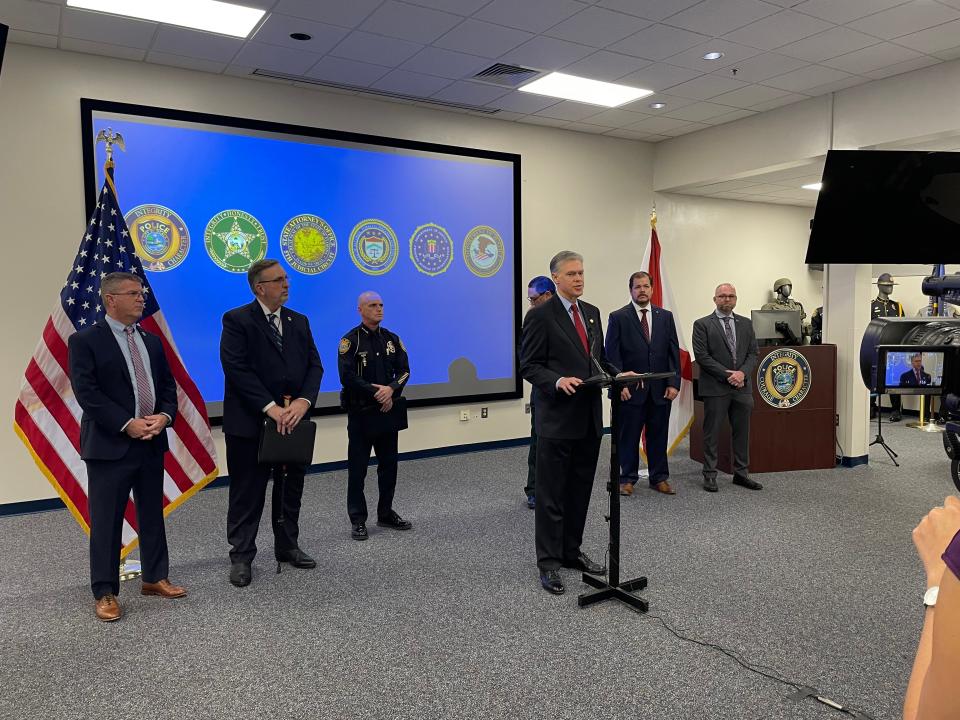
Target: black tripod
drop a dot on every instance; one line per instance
(878, 440)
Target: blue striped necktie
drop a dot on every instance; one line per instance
(275, 331)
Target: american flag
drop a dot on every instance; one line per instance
(47, 416)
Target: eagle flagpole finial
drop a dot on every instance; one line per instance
(110, 138)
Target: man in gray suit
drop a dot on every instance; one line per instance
(726, 350)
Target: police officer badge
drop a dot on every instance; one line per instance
(344, 346)
(431, 249)
(159, 236)
(308, 244)
(483, 251)
(235, 240)
(783, 378)
(373, 247)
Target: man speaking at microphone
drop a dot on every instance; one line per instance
(561, 345)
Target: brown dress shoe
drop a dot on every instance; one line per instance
(664, 487)
(107, 608)
(626, 488)
(163, 588)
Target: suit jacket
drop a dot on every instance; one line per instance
(713, 355)
(551, 349)
(909, 379)
(255, 372)
(627, 347)
(104, 390)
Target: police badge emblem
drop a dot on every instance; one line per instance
(784, 378)
(391, 348)
(483, 251)
(235, 240)
(431, 249)
(373, 247)
(344, 346)
(308, 244)
(159, 236)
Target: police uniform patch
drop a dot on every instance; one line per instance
(159, 236)
(308, 244)
(235, 240)
(402, 346)
(344, 346)
(784, 378)
(374, 247)
(431, 249)
(483, 251)
(391, 349)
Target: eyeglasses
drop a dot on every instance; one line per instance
(130, 293)
(533, 298)
(282, 278)
(726, 297)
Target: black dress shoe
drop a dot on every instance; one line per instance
(747, 483)
(394, 521)
(532, 502)
(587, 565)
(552, 582)
(359, 532)
(710, 484)
(240, 574)
(895, 417)
(296, 557)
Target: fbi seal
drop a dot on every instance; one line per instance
(308, 244)
(431, 249)
(373, 247)
(783, 378)
(159, 236)
(235, 240)
(483, 251)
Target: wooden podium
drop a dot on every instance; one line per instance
(801, 437)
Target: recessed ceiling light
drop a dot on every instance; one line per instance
(713, 56)
(658, 105)
(210, 15)
(812, 186)
(579, 89)
(301, 36)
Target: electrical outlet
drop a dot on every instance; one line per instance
(464, 415)
(526, 408)
(836, 420)
(484, 413)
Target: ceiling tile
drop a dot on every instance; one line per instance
(480, 38)
(30, 16)
(706, 87)
(278, 28)
(96, 48)
(951, 54)
(23, 37)
(376, 49)
(539, 120)
(336, 12)
(616, 117)
(899, 68)
(717, 17)
(828, 44)
(643, 105)
(730, 117)
(698, 112)
(808, 77)
(904, 19)
(951, 3)
(843, 11)
(531, 15)
(185, 62)
(196, 44)
(246, 72)
(587, 128)
(546, 53)
(650, 9)
(410, 22)
(445, 63)
(273, 57)
(348, 72)
(689, 128)
(658, 76)
(935, 39)
(776, 30)
(628, 134)
(788, 99)
(569, 110)
(471, 93)
(834, 86)
(109, 29)
(598, 27)
(607, 66)
(524, 102)
(658, 41)
(749, 96)
(760, 67)
(873, 58)
(410, 83)
(460, 7)
(660, 125)
(693, 58)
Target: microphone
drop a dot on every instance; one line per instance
(593, 358)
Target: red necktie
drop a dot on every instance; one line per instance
(918, 376)
(581, 331)
(145, 399)
(644, 326)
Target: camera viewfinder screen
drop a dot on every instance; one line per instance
(914, 372)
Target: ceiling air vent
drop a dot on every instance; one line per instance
(510, 76)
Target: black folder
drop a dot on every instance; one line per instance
(293, 449)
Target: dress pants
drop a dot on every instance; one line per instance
(633, 418)
(248, 490)
(359, 444)
(737, 408)
(531, 486)
(108, 489)
(565, 472)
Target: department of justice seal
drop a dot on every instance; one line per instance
(483, 251)
(431, 249)
(373, 247)
(159, 236)
(308, 244)
(235, 240)
(784, 378)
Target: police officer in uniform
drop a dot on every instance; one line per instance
(884, 306)
(373, 371)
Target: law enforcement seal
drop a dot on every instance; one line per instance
(235, 240)
(431, 249)
(783, 378)
(374, 247)
(483, 251)
(308, 244)
(159, 236)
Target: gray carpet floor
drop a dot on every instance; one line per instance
(815, 577)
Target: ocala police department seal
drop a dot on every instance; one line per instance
(159, 236)
(431, 249)
(373, 246)
(783, 378)
(483, 251)
(235, 240)
(308, 244)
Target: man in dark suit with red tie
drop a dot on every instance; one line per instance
(561, 346)
(268, 354)
(643, 338)
(915, 376)
(123, 384)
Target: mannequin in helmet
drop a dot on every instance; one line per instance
(885, 306)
